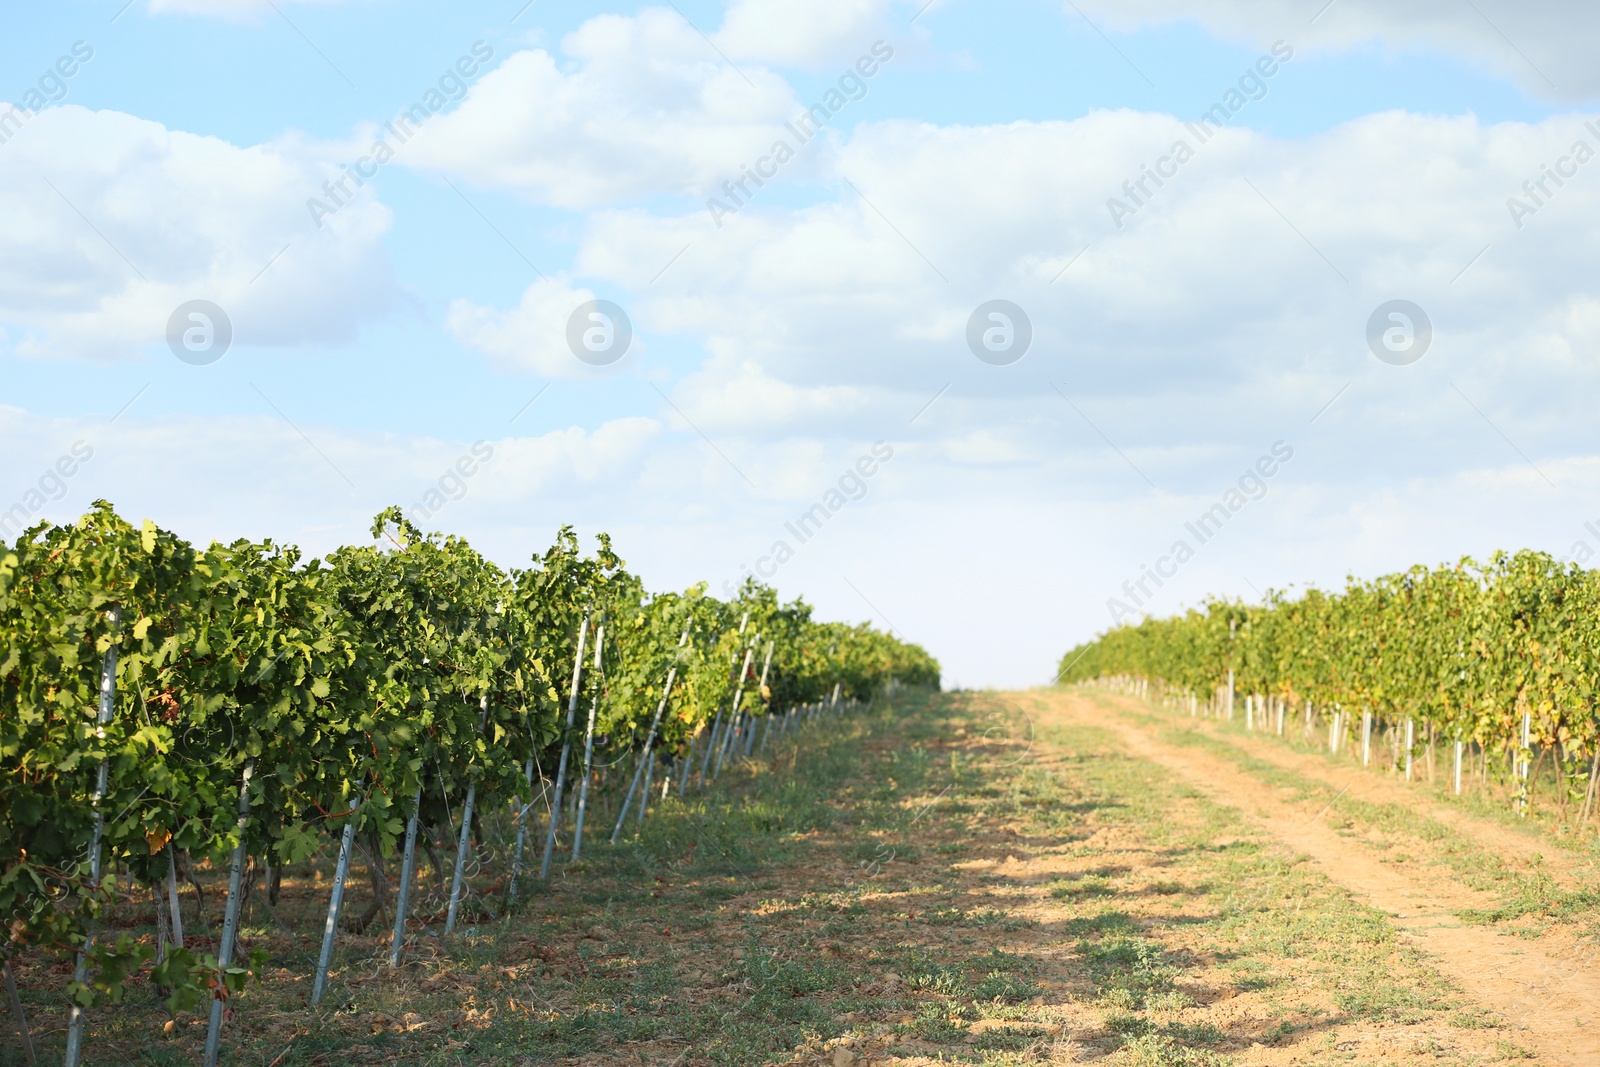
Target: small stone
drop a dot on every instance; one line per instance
(843, 1057)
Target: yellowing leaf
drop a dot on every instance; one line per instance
(157, 840)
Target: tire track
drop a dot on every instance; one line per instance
(1515, 849)
(1555, 1000)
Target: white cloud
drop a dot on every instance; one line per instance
(1545, 48)
(533, 335)
(817, 34)
(1246, 279)
(739, 397)
(262, 478)
(643, 105)
(111, 222)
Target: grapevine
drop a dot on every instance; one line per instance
(366, 689)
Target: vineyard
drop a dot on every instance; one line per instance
(1488, 673)
(167, 710)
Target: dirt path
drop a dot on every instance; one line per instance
(1514, 848)
(1555, 998)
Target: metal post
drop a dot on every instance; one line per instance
(1411, 737)
(711, 746)
(687, 764)
(457, 875)
(718, 740)
(644, 793)
(729, 733)
(644, 755)
(16, 1010)
(1366, 736)
(230, 918)
(1524, 760)
(765, 667)
(522, 834)
(644, 799)
(408, 874)
(341, 870)
(738, 699)
(108, 693)
(172, 897)
(566, 747)
(588, 744)
(1459, 746)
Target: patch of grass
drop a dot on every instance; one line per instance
(760, 921)
(1126, 969)
(933, 1023)
(1398, 830)
(978, 918)
(1161, 1050)
(1088, 887)
(1005, 988)
(950, 981)
(1008, 1039)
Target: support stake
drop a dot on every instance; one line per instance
(230, 918)
(330, 928)
(408, 874)
(16, 1010)
(566, 749)
(108, 694)
(644, 756)
(588, 743)
(522, 834)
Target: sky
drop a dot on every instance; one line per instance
(994, 324)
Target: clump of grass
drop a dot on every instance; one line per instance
(1127, 969)
(1085, 888)
(1005, 988)
(933, 1023)
(1008, 1039)
(1161, 1050)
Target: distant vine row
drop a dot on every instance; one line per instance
(1502, 657)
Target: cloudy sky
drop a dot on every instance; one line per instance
(1321, 271)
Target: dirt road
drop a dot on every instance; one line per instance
(1547, 986)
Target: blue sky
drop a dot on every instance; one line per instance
(771, 352)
